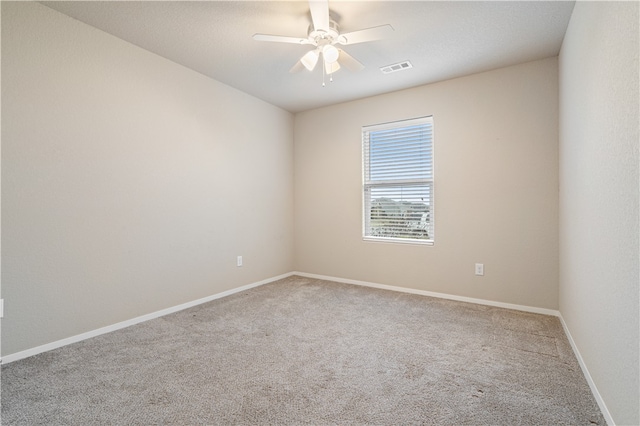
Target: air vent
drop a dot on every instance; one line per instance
(400, 66)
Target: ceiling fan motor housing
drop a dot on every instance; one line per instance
(320, 37)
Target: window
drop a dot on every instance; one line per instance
(398, 181)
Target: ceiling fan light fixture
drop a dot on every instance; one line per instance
(310, 59)
(330, 68)
(330, 53)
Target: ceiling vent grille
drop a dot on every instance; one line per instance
(400, 66)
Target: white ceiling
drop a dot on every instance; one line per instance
(442, 40)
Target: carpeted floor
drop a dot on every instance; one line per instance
(304, 351)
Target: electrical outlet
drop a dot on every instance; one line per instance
(479, 268)
(239, 261)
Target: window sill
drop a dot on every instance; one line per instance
(403, 241)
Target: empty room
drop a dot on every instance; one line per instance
(320, 212)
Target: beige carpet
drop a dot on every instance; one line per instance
(303, 351)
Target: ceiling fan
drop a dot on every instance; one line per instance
(324, 34)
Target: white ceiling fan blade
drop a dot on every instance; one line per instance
(281, 39)
(369, 34)
(319, 14)
(350, 63)
(296, 68)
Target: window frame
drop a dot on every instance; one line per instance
(367, 186)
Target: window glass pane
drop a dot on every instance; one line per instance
(398, 180)
(400, 211)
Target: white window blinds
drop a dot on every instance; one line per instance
(398, 181)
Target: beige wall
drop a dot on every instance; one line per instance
(128, 186)
(130, 183)
(599, 195)
(496, 188)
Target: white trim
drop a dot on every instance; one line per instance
(93, 333)
(587, 375)
(386, 240)
(73, 339)
(533, 309)
(524, 308)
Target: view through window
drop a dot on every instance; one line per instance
(398, 181)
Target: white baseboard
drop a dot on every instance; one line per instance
(587, 375)
(73, 339)
(83, 336)
(532, 309)
(93, 333)
(524, 308)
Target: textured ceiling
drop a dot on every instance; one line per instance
(442, 40)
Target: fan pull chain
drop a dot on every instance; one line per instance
(323, 72)
(323, 76)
